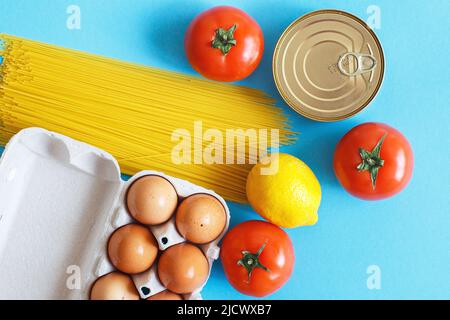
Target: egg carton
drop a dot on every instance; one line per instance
(60, 200)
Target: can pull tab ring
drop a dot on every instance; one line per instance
(364, 63)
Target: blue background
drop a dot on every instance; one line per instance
(407, 236)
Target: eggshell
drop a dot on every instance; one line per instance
(132, 248)
(151, 200)
(183, 268)
(114, 286)
(201, 218)
(165, 295)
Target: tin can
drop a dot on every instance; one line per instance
(328, 65)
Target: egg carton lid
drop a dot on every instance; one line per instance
(61, 200)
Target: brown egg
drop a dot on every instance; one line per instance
(152, 200)
(114, 286)
(183, 268)
(201, 218)
(132, 248)
(166, 295)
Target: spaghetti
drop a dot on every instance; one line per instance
(128, 110)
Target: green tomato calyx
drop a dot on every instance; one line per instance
(250, 261)
(371, 161)
(224, 39)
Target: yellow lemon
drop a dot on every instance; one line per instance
(284, 190)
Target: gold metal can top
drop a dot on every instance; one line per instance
(328, 65)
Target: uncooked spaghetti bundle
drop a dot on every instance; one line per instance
(132, 111)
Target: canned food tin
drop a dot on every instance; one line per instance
(328, 65)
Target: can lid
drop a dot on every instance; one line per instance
(328, 65)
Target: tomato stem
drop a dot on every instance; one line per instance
(250, 261)
(371, 161)
(224, 39)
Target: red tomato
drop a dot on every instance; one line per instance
(224, 44)
(373, 161)
(258, 257)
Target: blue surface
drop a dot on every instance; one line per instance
(407, 236)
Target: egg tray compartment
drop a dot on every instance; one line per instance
(166, 235)
(61, 201)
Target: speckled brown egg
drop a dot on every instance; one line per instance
(151, 200)
(114, 286)
(132, 248)
(183, 268)
(200, 218)
(166, 295)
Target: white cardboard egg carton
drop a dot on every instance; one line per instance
(60, 200)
